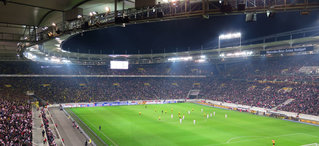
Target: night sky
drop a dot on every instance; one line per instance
(188, 34)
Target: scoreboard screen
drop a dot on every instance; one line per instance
(119, 64)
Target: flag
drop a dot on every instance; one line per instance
(146, 84)
(8, 86)
(45, 85)
(175, 84)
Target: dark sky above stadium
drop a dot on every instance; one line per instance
(184, 34)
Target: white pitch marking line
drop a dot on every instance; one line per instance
(312, 144)
(229, 141)
(103, 134)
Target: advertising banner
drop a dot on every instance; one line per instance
(288, 50)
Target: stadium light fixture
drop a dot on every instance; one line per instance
(58, 40)
(237, 54)
(200, 60)
(180, 59)
(66, 61)
(229, 36)
(107, 9)
(54, 59)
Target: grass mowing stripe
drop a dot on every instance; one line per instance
(85, 128)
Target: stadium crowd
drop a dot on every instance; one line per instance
(254, 93)
(48, 130)
(256, 82)
(15, 120)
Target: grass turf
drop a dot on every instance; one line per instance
(122, 125)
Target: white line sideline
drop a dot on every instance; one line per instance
(229, 141)
(103, 134)
(312, 144)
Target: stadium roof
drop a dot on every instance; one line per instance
(19, 17)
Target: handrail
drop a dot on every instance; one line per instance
(56, 129)
(84, 133)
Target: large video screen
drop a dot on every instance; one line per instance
(119, 64)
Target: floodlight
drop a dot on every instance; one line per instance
(180, 58)
(230, 36)
(200, 60)
(107, 9)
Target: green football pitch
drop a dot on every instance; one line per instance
(122, 125)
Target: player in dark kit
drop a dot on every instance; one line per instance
(100, 127)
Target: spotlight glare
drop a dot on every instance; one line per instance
(230, 36)
(107, 9)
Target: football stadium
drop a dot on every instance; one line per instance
(159, 72)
